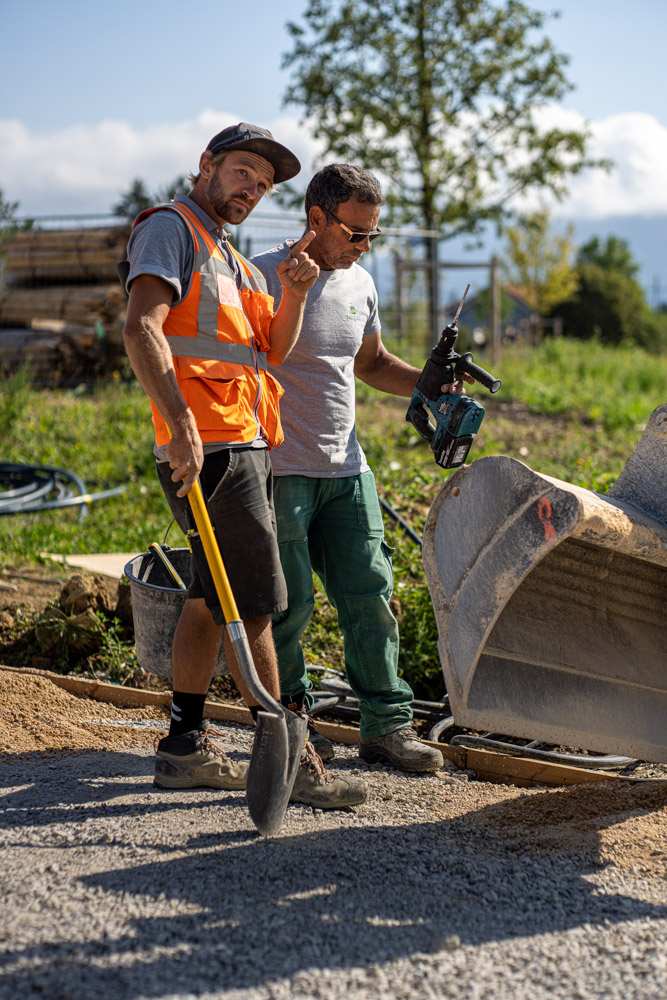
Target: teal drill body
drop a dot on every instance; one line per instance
(456, 419)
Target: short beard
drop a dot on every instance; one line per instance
(222, 206)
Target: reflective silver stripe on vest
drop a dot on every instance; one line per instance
(207, 312)
(216, 350)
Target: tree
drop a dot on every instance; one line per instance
(138, 198)
(614, 255)
(609, 302)
(7, 209)
(440, 96)
(538, 262)
(8, 225)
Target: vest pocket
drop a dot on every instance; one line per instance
(220, 405)
(270, 410)
(258, 308)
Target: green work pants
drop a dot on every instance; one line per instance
(334, 527)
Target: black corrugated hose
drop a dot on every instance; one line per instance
(28, 489)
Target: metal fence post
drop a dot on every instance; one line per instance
(399, 304)
(495, 311)
(435, 290)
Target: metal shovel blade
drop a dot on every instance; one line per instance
(273, 765)
(276, 749)
(277, 746)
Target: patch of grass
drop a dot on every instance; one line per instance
(573, 410)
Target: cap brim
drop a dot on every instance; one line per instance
(284, 163)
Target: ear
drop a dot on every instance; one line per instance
(317, 219)
(205, 164)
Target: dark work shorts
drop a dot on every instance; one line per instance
(238, 487)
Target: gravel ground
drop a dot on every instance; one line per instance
(436, 887)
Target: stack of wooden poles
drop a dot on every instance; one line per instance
(62, 307)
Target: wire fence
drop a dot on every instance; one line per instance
(418, 290)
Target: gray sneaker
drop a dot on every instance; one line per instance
(403, 749)
(318, 788)
(193, 760)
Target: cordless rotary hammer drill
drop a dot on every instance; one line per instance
(457, 418)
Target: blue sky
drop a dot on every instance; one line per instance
(94, 95)
(78, 63)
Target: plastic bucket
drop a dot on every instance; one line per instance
(156, 608)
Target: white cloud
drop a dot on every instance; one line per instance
(85, 168)
(636, 143)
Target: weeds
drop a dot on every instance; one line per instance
(86, 643)
(573, 410)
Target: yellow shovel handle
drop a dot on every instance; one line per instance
(213, 557)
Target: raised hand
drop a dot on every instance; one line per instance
(298, 272)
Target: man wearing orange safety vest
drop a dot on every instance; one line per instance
(200, 332)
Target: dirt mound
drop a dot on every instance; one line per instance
(37, 715)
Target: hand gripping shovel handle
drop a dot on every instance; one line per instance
(279, 735)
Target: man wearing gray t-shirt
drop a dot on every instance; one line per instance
(327, 508)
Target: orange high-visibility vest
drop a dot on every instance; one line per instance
(218, 336)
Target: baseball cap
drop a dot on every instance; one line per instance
(260, 141)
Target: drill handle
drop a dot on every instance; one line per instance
(465, 365)
(417, 415)
(434, 376)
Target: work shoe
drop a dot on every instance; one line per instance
(322, 790)
(323, 747)
(193, 760)
(403, 749)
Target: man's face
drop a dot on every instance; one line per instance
(331, 248)
(235, 186)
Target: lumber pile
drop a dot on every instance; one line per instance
(69, 256)
(80, 305)
(62, 308)
(55, 353)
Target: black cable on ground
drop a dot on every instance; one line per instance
(606, 763)
(409, 531)
(30, 489)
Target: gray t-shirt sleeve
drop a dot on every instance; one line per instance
(373, 321)
(162, 245)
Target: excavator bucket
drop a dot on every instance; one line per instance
(551, 602)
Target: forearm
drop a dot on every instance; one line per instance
(286, 326)
(152, 363)
(389, 374)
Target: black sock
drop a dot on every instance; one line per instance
(294, 702)
(187, 712)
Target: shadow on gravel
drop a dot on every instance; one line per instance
(47, 803)
(237, 912)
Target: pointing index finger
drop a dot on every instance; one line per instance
(302, 243)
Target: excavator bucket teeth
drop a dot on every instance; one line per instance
(551, 602)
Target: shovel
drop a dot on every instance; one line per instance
(279, 735)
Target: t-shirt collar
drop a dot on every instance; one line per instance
(211, 225)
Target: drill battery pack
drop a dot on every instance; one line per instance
(457, 420)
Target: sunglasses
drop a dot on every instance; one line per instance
(351, 235)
